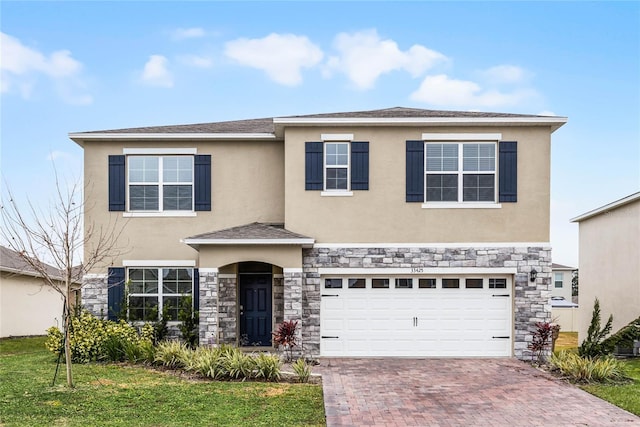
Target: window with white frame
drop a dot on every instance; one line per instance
(460, 172)
(557, 280)
(154, 291)
(160, 183)
(336, 166)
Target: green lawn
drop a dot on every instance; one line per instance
(111, 395)
(626, 396)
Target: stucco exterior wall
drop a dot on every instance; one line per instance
(26, 306)
(287, 256)
(610, 266)
(381, 213)
(247, 186)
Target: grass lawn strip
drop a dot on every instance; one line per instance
(626, 396)
(114, 395)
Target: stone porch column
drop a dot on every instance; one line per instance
(293, 299)
(208, 306)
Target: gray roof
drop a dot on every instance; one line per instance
(253, 231)
(11, 261)
(266, 125)
(555, 266)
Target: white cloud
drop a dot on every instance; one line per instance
(364, 56)
(505, 74)
(197, 61)
(156, 72)
(281, 56)
(547, 113)
(444, 91)
(187, 33)
(21, 66)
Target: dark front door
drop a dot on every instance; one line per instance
(255, 309)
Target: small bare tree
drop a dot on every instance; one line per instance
(58, 237)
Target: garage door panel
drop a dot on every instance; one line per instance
(416, 322)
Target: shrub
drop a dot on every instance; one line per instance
(302, 369)
(624, 337)
(209, 362)
(286, 337)
(268, 367)
(188, 322)
(585, 369)
(147, 351)
(172, 354)
(94, 339)
(238, 364)
(592, 345)
(542, 338)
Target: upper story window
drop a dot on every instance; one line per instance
(460, 172)
(160, 183)
(336, 166)
(557, 280)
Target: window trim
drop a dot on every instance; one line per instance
(160, 183)
(460, 173)
(337, 191)
(556, 281)
(461, 139)
(159, 294)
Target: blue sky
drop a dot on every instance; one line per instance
(79, 66)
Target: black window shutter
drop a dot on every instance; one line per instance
(313, 173)
(117, 183)
(196, 290)
(415, 171)
(508, 164)
(115, 292)
(202, 182)
(359, 165)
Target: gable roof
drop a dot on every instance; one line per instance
(12, 262)
(608, 207)
(256, 233)
(272, 128)
(555, 266)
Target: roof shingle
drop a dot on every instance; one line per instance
(266, 125)
(253, 231)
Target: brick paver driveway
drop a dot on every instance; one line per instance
(456, 392)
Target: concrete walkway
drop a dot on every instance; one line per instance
(456, 392)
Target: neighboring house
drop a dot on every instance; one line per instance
(395, 232)
(27, 305)
(563, 310)
(562, 276)
(609, 262)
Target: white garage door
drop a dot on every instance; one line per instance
(415, 316)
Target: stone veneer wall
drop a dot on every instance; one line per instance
(208, 309)
(228, 309)
(531, 300)
(293, 297)
(95, 294)
(278, 300)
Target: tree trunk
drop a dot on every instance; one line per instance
(67, 338)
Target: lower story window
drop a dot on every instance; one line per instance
(155, 291)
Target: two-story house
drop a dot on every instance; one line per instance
(394, 232)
